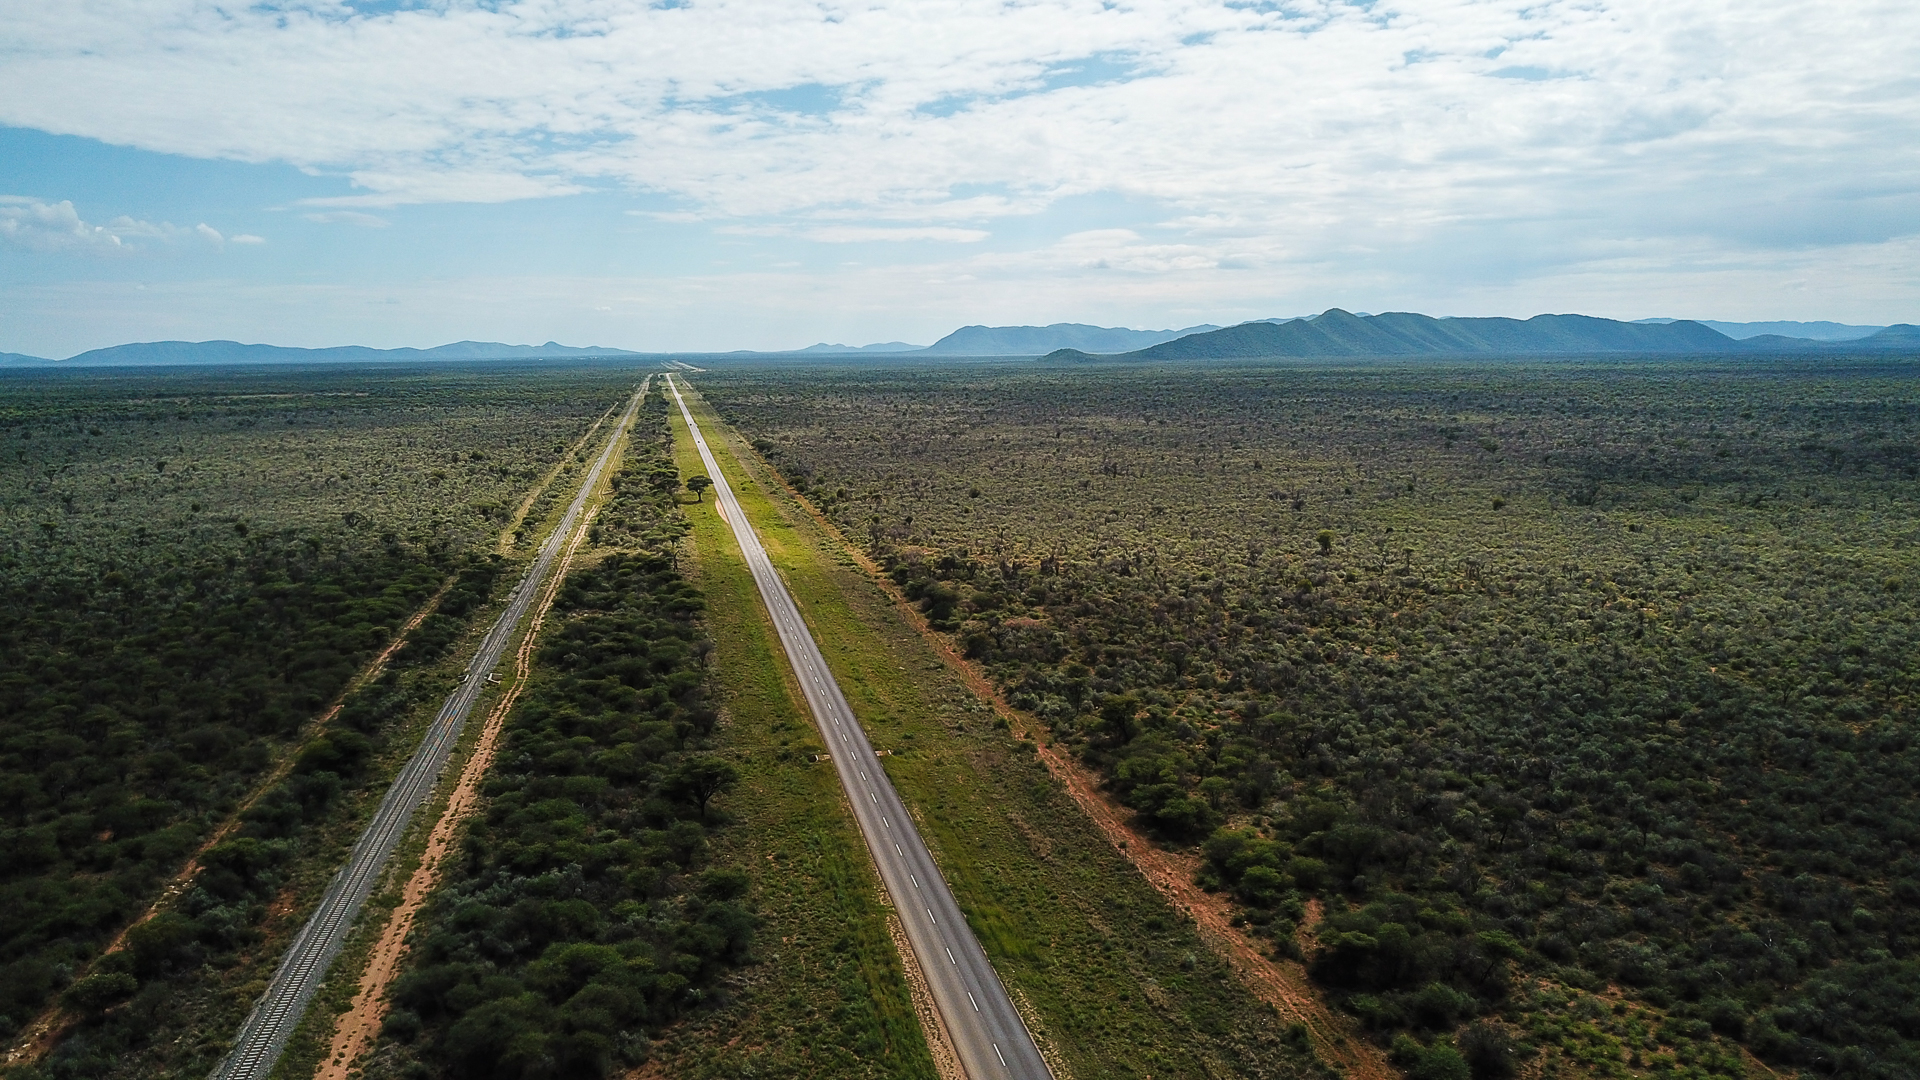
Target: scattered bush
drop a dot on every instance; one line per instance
(1651, 725)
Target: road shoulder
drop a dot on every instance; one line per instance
(1112, 979)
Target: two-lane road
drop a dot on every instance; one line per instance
(986, 1030)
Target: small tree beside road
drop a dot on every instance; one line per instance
(700, 778)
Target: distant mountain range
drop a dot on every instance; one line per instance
(1811, 331)
(1897, 336)
(1022, 341)
(165, 353)
(1034, 340)
(1461, 335)
(1337, 333)
(881, 347)
(1334, 333)
(1340, 333)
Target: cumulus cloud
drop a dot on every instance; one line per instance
(38, 226)
(855, 234)
(1511, 134)
(32, 225)
(347, 217)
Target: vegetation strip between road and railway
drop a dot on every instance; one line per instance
(273, 1020)
(987, 1030)
(355, 1030)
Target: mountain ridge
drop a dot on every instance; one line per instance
(1336, 333)
(1331, 334)
(1821, 330)
(176, 353)
(1033, 340)
(877, 347)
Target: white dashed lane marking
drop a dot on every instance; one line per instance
(989, 1036)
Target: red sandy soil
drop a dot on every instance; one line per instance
(1281, 983)
(354, 1032)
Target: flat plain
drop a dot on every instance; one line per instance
(1112, 980)
(1579, 695)
(1556, 718)
(197, 566)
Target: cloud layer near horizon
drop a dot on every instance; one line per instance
(31, 225)
(1386, 143)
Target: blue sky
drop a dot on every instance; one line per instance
(766, 174)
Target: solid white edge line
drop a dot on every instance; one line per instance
(885, 823)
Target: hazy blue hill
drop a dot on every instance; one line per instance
(1340, 333)
(1034, 340)
(150, 353)
(1779, 343)
(493, 350)
(1812, 331)
(1897, 336)
(878, 347)
(14, 359)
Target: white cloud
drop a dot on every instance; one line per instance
(28, 224)
(854, 234)
(246, 238)
(347, 217)
(424, 185)
(46, 227)
(678, 217)
(1424, 141)
(753, 230)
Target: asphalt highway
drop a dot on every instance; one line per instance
(987, 1032)
(266, 1031)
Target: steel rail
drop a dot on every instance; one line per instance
(263, 1037)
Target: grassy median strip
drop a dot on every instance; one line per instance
(1113, 979)
(828, 996)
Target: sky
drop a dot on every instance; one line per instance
(764, 174)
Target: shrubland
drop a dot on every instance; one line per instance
(1111, 980)
(1578, 696)
(584, 913)
(193, 565)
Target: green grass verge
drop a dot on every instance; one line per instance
(1114, 980)
(828, 996)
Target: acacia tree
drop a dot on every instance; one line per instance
(698, 484)
(702, 777)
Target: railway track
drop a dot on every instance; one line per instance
(263, 1037)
